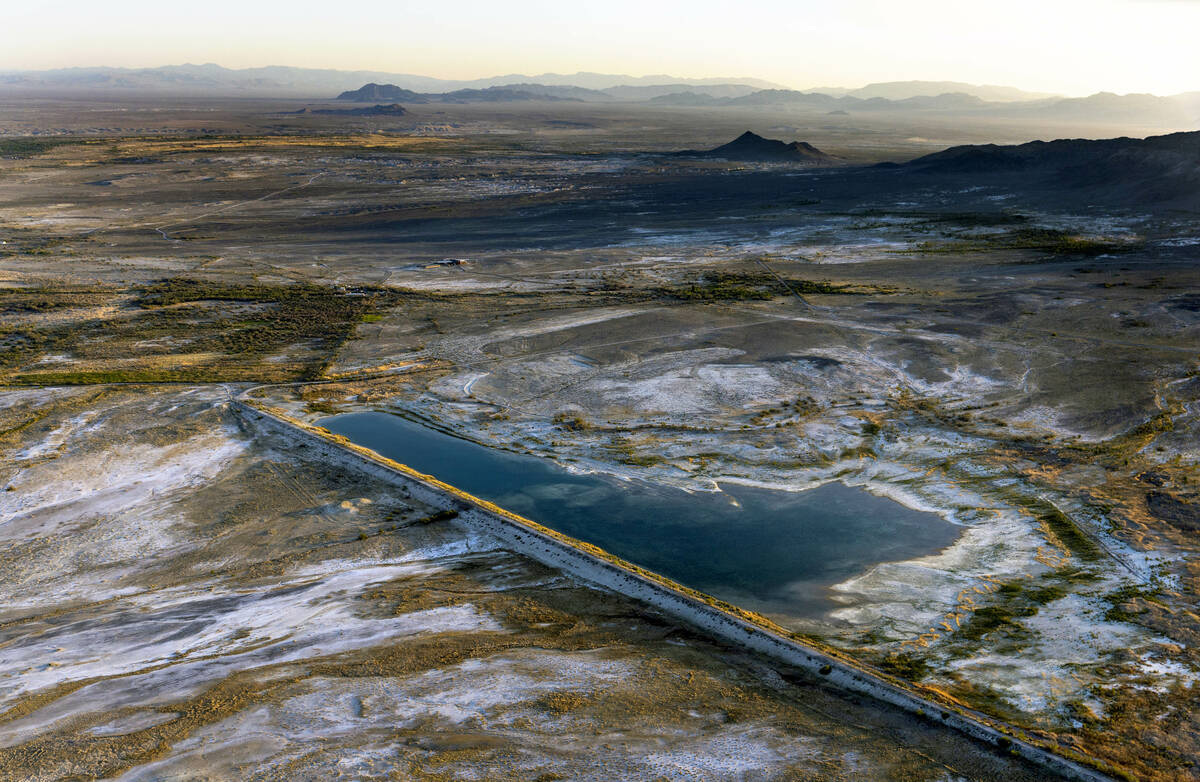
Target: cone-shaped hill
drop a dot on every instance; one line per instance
(753, 148)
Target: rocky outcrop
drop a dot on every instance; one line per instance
(753, 148)
(1158, 169)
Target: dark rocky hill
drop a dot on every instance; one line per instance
(1126, 170)
(753, 148)
(373, 93)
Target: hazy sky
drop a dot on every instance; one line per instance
(1071, 46)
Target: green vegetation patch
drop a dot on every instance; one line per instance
(1060, 242)
(743, 286)
(31, 146)
(1047, 240)
(1070, 535)
(1123, 602)
(21, 301)
(1074, 575)
(1020, 598)
(135, 376)
(628, 453)
(441, 515)
(571, 423)
(904, 666)
(20, 243)
(188, 330)
(989, 619)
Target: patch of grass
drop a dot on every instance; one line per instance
(642, 460)
(571, 423)
(296, 313)
(1046, 594)
(1070, 535)
(131, 376)
(34, 245)
(1060, 242)
(904, 666)
(724, 286)
(31, 146)
(746, 286)
(627, 453)
(1011, 589)
(1162, 422)
(562, 702)
(23, 425)
(1074, 575)
(989, 619)
(1047, 240)
(441, 515)
(31, 301)
(1021, 598)
(193, 330)
(1122, 597)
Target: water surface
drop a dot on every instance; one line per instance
(771, 551)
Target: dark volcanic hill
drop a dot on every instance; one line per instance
(753, 148)
(373, 93)
(1157, 169)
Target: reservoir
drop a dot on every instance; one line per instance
(775, 552)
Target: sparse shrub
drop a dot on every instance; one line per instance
(572, 423)
(441, 515)
(904, 666)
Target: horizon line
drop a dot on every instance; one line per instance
(496, 75)
(713, 80)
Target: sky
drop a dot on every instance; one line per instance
(1074, 47)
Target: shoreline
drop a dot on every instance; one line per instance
(715, 618)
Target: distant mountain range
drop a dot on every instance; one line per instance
(900, 90)
(504, 94)
(1181, 109)
(283, 82)
(527, 91)
(753, 148)
(1176, 110)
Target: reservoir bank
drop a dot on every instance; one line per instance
(770, 551)
(718, 620)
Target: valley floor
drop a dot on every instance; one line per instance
(185, 600)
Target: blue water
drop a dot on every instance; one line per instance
(776, 552)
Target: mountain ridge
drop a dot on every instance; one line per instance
(315, 82)
(1156, 169)
(901, 90)
(1142, 110)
